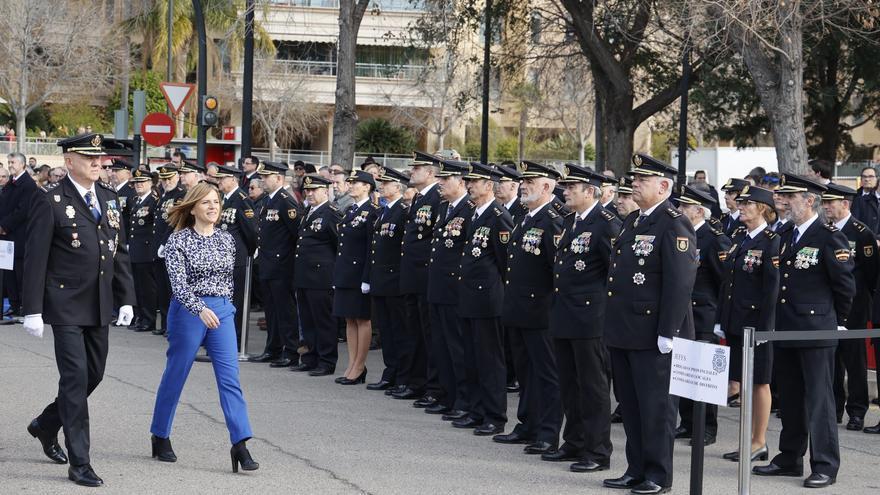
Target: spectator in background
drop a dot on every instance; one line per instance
(4, 177)
(702, 177)
(177, 158)
(56, 174)
(866, 209)
(32, 163)
(42, 175)
(212, 169)
(249, 165)
(256, 191)
(340, 187)
(324, 172)
(822, 169)
(14, 210)
(10, 135)
(756, 175)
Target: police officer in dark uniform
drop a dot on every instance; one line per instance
(237, 218)
(712, 248)
(816, 294)
(418, 371)
(649, 293)
(449, 237)
(383, 274)
(143, 207)
(507, 193)
(313, 278)
(528, 295)
(851, 356)
(172, 195)
(730, 220)
(576, 321)
(480, 300)
(121, 169)
(78, 271)
(279, 225)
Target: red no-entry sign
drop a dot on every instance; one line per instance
(157, 129)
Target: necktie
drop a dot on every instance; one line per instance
(639, 220)
(747, 243)
(475, 217)
(795, 236)
(384, 211)
(777, 226)
(448, 212)
(90, 201)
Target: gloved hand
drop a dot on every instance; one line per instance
(841, 327)
(256, 253)
(161, 251)
(126, 314)
(33, 324)
(365, 288)
(718, 331)
(664, 344)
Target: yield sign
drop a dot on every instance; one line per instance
(176, 94)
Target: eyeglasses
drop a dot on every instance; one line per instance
(869, 176)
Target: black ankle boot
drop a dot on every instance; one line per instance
(162, 449)
(240, 455)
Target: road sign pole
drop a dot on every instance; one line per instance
(202, 138)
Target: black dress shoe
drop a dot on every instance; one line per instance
(397, 388)
(855, 424)
(321, 371)
(625, 481)
(281, 363)
(84, 476)
(406, 394)
(616, 418)
(761, 454)
(362, 378)
(141, 329)
(774, 470)
(454, 414)
(513, 438)
(512, 388)
(162, 449)
(817, 480)
(203, 358)
(588, 466)
(874, 430)
(707, 440)
(380, 385)
(487, 429)
(437, 408)
(426, 401)
(539, 448)
(649, 487)
(49, 442)
(563, 454)
(302, 367)
(466, 423)
(241, 457)
(159, 331)
(733, 400)
(263, 358)
(682, 432)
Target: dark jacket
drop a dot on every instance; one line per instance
(863, 248)
(316, 252)
(166, 201)
(279, 227)
(448, 241)
(237, 218)
(355, 239)
(142, 218)
(751, 285)
(383, 270)
(484, 264)
(866, 209)
(126, 195)
(417, 242)
(16, 209)
(712, 248)
(77, 268)
(581, 269)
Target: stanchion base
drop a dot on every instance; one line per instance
(244, 357)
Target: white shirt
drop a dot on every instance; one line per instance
(82, 192)
(697, 226)
(754, 233)
(804, 226)
(651, 209)
(536, 210)
(841, 223)
(734, 214)
(228, 195)
(389, 205)
(427, 189)
(456, 202)
(120, 186)
(479, 211)
(586, 212)
(144, 196)
(359, 203)
(510, 205)
(19, 175)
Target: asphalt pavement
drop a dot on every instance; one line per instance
(315, 437)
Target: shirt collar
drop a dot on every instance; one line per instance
(587, 212)
(272, 194)
(228, 195)
(120, 186)
(455, 203)
(841, 223)
(734, 214)
(536, 210)
(82, 191)
(651, 209)
(697, 226)
(804, 226)
(392, 203)
(754, 233)
(23, 171)
(427, 188)
(479, 211)
(314, 208)
(361, 202)
(512, 202)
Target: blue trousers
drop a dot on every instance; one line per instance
(186, 333)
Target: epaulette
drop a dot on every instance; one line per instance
(567, 214)
(106, 185)
(673, 212)
(830, 226)
(242, 195)
(714, 222)
(497, 211)
(715, 231)
(154, 195)
(741, 228)
(332, 207)
(49, 187)
(471, 204)
(770, 234)
(859, 225)
(607, 215)
(284, 194)
(552, 213)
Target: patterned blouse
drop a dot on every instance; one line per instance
(199, 266)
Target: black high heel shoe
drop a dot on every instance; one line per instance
(162, 449)
(362, 378)
(240, 455)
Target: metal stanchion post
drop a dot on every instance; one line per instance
(745, 412)
(697, 447)
(246, 314)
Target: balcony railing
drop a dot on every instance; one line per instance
(321, 68)
(386, 5)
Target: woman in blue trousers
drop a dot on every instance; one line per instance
(200, 260)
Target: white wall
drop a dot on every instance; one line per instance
(724, 163)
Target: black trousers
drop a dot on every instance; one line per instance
(510, 371)
(80, 353)
(145, 291)
(648, 411)
(389, 316)
(415, 369)
(318, 327)
(447, 348)
(876, 344)
(485, 370)
(163, 290)
(540, 409)
(851, 365)
(238, 291)
(584, 381)
(12, 287)
(805, 378)
(281, 318)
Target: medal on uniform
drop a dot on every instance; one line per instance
(141, 221)
(111, 245)
(531, 241)
(579, 265)
(448, 243)
(223, 226)
(70, 212)
(852, 248)
(476, 252)
(113, 218)
(752, 259)
(75, 242)
(581, 243)
(316, 224)
(358, 220)
(806, 257)
(639, 278)
(423, 215)
(643, 245)
(453, 228)
(122, 200)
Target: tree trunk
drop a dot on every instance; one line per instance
(345, 117)
(273, 147)
(618, 126)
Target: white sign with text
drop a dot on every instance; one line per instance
(699, 371)
(7, 255)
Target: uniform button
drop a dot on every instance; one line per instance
(783, 287)
(611, 279)
(694, 303)
(531, 295)
(433, 249)
(374, 262)
(615, 265)
(753, 306)
(508, 268)
(782, 301)
(340, 244)
(788, 262)
(507, 282)
(511, 256)
(728, 297)
(102, 257)
(479, 287)
(609, 293)
(647, 312)
(560, 262)
(460, 279)
(61, 286)
(812, 312)
(556, 289)
(102, 272)
(100, 242)
(785, 275)
(278, 255)
(618, 251)
(296, 255)
(588, 303)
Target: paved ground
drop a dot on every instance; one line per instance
(313, 436)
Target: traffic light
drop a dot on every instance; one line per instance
(209, 111)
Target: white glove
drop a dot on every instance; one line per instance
(161, 251)
(126, 314)
(365, 288)
(256, 253)
(718, 331)
(839, 327)
(33, 324)
(664, 344)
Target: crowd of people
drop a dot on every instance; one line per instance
(560, 284)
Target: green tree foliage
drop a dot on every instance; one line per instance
(378, 135)
(66, 118)
(140, 80)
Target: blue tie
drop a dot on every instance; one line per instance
(795, 236)
(95, 212)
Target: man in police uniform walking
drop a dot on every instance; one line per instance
(649, 293)
(815, 294)
(143, 207)
(78, 271)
